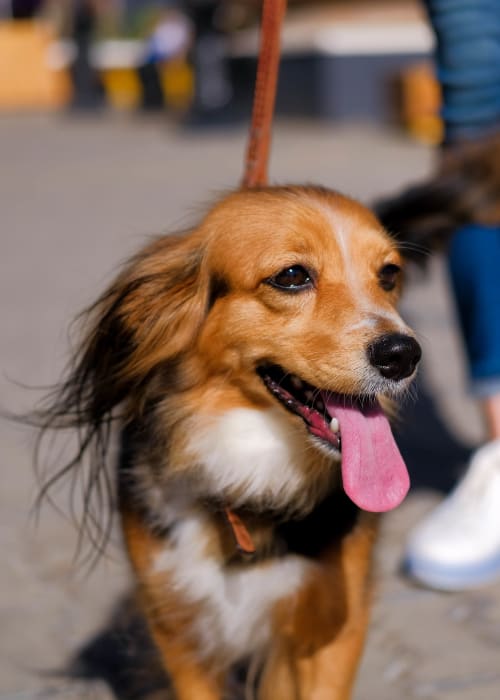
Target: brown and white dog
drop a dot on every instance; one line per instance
(243, 360)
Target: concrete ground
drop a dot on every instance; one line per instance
(77, 196)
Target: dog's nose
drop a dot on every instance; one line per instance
(395, 355)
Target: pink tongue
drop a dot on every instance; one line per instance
(373, 472)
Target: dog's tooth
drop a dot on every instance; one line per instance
(296, 382)
(319, 406)
(334, 425)
(309, 395)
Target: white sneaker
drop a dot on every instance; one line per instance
(457, 545)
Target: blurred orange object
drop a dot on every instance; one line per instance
(122, 86)
(177, 81)
(27, 80)
(421, 102)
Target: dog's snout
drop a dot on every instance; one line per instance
(395, 355)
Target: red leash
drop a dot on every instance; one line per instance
(257, 158)
(259, 142)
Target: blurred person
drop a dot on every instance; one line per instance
(170, 36)
(167, 47)
(88, 93)
(212, 79)
(457, 545)
(25, 9)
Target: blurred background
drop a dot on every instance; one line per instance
(123, 118)
(195, 59)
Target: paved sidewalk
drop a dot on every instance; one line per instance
(77, 196)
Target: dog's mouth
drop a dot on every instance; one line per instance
(306, 401)
(355, 429)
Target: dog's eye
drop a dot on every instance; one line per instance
(388, 276)
(293, 278)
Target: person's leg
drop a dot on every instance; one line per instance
(458, 544)
(491, 410)
(474, 266)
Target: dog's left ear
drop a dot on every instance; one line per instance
(150, 315)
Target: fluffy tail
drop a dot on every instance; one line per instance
(465, 189)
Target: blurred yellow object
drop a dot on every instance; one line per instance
(177, 82)
(421, 102)
(26, 78)
(122, 86)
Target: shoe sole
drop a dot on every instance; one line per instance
(452, 579)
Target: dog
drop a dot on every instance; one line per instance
(244, 362)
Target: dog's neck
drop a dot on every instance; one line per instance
(260, 535)
(246, 532)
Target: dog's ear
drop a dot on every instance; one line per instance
(149, 316)
(158, 304)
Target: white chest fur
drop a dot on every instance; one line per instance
(253, 456)
(235, 602)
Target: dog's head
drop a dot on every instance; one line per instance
(255, 346)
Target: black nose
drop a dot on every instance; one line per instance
(395, 355)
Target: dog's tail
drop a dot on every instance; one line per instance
(465, 189)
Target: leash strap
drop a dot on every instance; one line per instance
(257, 157)
(259, 141)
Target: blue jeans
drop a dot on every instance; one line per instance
(474, 265)
(468, 66)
